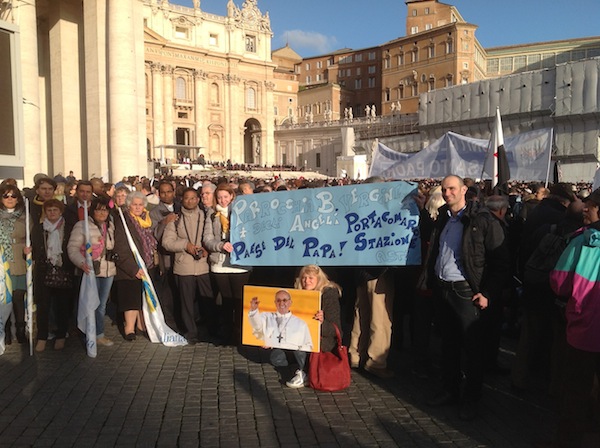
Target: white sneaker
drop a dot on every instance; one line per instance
(299, 380)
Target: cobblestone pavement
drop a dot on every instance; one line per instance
(146, 395)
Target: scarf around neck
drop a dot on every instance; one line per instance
(7, 227)
(143, 220)
(54, 240)
(223, 214)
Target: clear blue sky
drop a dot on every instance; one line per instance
(314, 27)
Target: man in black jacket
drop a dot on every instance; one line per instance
(468, 265)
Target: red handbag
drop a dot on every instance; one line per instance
(330, 371)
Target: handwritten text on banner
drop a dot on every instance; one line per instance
(356, 225)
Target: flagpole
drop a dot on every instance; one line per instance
(88, 293)
(29, 277)
(549, 162)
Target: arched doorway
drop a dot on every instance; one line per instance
(252, 142)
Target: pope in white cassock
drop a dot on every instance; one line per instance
(284, 333)
(280, 329)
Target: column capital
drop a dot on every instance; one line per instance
(200, 74)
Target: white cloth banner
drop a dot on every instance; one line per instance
(88, 295)
(527, 153)
(158, 330)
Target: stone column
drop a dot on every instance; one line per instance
(199, 110)
(94, 20)
(122, 91)
(65, 19)
(158, 130)
(168, 98)
(35, 158)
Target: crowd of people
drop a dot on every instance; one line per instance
(471, 287)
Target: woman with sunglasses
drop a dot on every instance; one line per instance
(12, 243)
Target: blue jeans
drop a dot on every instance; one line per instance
(279, 357)
(104, 284)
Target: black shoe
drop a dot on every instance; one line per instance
(192, 341)
(443, 398)
(21, 338)
(467, 410)
(130, 337)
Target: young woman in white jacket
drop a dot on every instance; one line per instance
(230, 279)
(102, 238)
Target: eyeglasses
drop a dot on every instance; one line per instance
(282, 300)
(9, 195)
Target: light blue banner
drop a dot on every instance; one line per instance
(356, 225)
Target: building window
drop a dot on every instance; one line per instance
(465, 45)
(428, 26)
(330, 62)
(371, 82)
(308, 79)
(414, 29)
(213, 40)
(181, 32)
(276, 111)
(560, 58)
(431, 84)
(251, 98)
(534, 61)
(449, 81)
(400, 91)
(387, 95)
(415, 89)
(180, 93)
(182, 115)
(319, 64)
(520, 62)
(372, 69)
(319, 78)
(401, 59)
(250, 44)
(506, 64)
(372, 56)
(386, 63)
(318, 161)
(307, 67)
(358, 71)
(431, 51)
(492, 65)
(358, 58)
(549, 60)
(358, 83)
(465, 65)
(449, 46)
(214, 94)
(426, 11)
(414, 12)
(414, 56)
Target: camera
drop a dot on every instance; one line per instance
(112, 256)
(197, 255)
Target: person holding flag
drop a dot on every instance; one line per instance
(102, 240)
(135, 247)
(128, 280)
(12, 244)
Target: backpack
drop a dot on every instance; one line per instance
(544, 258)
